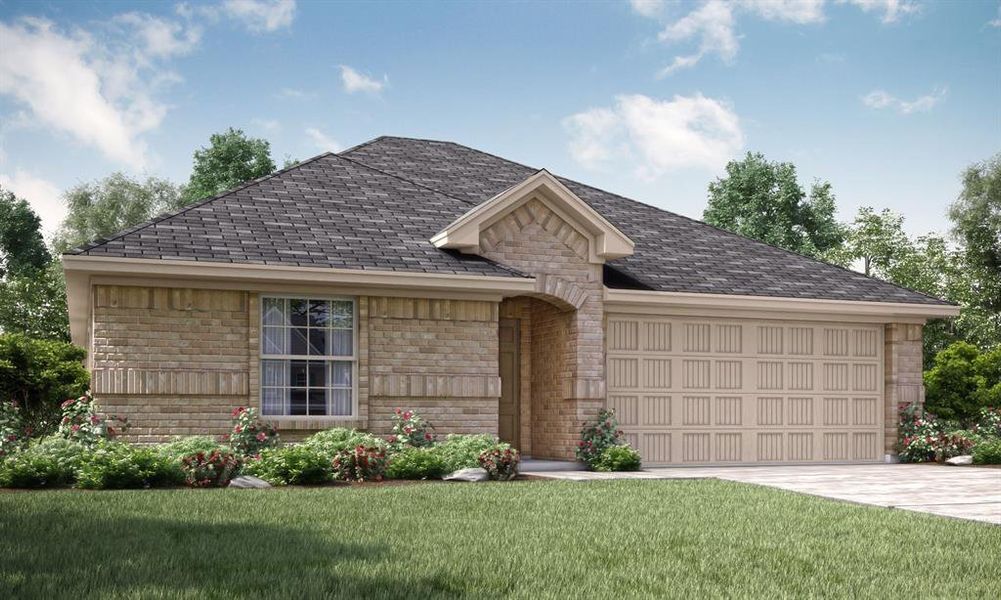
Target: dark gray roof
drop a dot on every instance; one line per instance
(376, 205)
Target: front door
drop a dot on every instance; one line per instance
(509, 360)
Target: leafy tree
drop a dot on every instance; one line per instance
(105, 207)
(40, 375)
(230, 159)
(763, 200)
(963, 381)
(877, 240)
(976, 225)
(22, 249)
(35, 304)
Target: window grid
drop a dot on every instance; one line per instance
(307, 356)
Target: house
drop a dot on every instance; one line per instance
(490, 297)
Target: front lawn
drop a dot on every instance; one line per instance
(527, 540)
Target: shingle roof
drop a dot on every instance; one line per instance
(375, 206)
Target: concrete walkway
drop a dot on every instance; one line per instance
(963, 492)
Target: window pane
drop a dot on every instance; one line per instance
(319, 313)
(317, 342)
(297, 373)
(275, 341)
(341, 342)
(297, 401)
(273, 401)
(340, 373)
(297, 312)
(342, 313)
(317, 373)
(298, 345)
(340, 402)
(317, 402)
(274, 373)
(274, 311)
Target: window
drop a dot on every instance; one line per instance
(307, 356)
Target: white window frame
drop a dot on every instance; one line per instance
(353, 358)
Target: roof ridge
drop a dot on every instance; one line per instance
(199, 203)
(691, 219)
(395, 176)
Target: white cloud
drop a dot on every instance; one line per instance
(159, 38)
(359, 82)
(647, 8)
(879, 99)
(75, 84)
(892, 9)
(261, 15)
(294, 94)
(43, 196)
(793, 11)
(268, 125)
(656, 136)
(996, 22)
(712, 24)
(322, 141)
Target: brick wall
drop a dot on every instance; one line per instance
(903, 374)
(173, 361)
(568, 361)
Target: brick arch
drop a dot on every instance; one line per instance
(561, 293)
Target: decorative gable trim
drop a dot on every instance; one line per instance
(605, 241)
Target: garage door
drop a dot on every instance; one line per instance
(695, 391)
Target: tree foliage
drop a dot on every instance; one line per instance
(35, 304)
(963, 381)
(763, 200)
(105, 207)
(230, 159)
(22, 249)
(40, 375)
(976, 225)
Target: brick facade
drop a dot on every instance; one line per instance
(902, 373)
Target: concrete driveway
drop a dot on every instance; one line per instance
(963, 492)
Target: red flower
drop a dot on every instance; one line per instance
(408, 429)
(262, 436)
(398, 411)
(407, 415)
(94, 420)
(427, 436)
(67, 403)
(238, 429)
(391, 439)
(75, 428)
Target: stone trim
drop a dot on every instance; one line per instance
(432, 309)
(174, 382)
(435, 386)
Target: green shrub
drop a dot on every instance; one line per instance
(360, 464)
(463, 451)
(39, 375)
(50, 462)
(210, 469)
(291, 465)
(250, 435)
(618, 458)
(416, 463)
(11, 428)
(500, 462)
(332, 441)
(180, 447)
(963, 381)
(988, 424)
(82, 423)
(410, 429)
(987, 453)
(117, 465)
(595, 437)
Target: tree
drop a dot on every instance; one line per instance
(230, 159)
(763, 200)
(40, 375)
(22, 249)
(105, 207)
(877, 240)
(963, 381)
(35, 304)
(976, 226)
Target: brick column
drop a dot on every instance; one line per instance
(902, 373)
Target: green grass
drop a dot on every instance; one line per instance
(524, 540)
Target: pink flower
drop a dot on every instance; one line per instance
(391, 439)
(398, 411)
(75, 428)
(67, 403)
(238, 429)
(427, 436)
(408, 429)
(94, 420)
(407, 415)
(262, 436)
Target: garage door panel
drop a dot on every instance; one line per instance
(695, 391)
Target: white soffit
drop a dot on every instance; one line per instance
(606, 241)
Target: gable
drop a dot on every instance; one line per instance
(543, 199)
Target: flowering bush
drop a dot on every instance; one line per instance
(10, 428)
(81, 422)
(988, 423)
(360, 464)
(250, 434)
(212, 469)
(292, 465)
(181, 447)
(500, 463)
(988, 453)
(618, 458)
(463, 451)
(331, 441)
(597, 436)
(410, 429)
(925, 438)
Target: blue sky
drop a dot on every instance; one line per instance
(887, 99)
